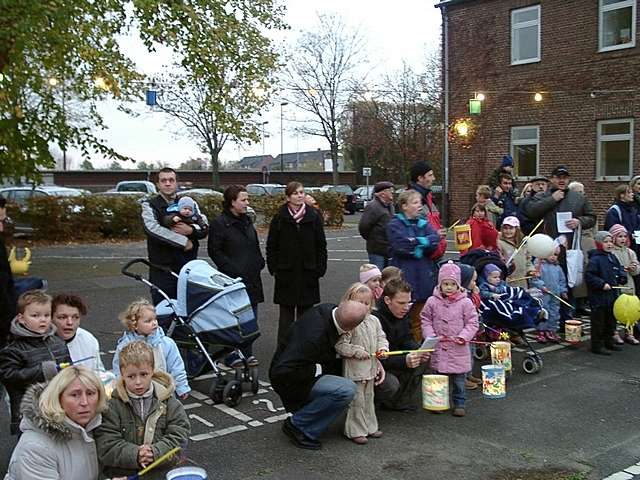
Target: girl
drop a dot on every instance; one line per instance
(629, 261)
(508, 241)
(483, 233)
(450, 315)
(371, 276)
(553, 283)
(358, 348)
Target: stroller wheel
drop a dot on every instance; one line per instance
(539, 362)
(255, 385)
(216, 390)
(481, 352)
(232, 393)
(530, 366)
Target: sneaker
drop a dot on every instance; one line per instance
(360, 440)
(459, 412)
(629, 338)
(298, 438)
(474, 379)
(617, 340)
(541, 337)
(469, 385)
(553, 337)
(377, 434)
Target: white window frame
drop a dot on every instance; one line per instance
(515, 143)
(613, 138)
(616, 6)
(517, 26)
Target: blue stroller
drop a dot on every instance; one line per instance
(210, 318)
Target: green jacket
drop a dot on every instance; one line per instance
(123, 431)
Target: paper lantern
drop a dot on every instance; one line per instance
(462, 235)
(573, 331)
(493, 381)
(435, 392)
(501, 355)
(540, 245)
(626, 309)
(475, 106)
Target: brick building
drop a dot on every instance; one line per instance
(581, 56)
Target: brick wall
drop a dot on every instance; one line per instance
(569, 71)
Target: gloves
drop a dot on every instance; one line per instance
(423, 241)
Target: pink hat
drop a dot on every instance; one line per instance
(449, 271)
(511, 221)
(617, 229)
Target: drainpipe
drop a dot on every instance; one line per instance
(445, 55)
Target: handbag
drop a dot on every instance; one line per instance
(575, 261)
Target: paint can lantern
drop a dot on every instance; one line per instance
(435, 392)
(573, 331)
(108, 380)
(493, 381)
(187, 473)
(501, 355)
(462, 235)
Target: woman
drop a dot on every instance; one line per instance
(58, 423)
(235, 249)
(296, 257)
(624, 211)
(412, 239)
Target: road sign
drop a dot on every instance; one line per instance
(366, 172)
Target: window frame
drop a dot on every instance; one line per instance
(513, 143)
(614, 138)
(617, 6)
(514, 27)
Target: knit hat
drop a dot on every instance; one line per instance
(507, 161)
(449, 271)
(511, 221)
(617, 229)
(186, 202)
(489, 269)
(466, 274)
(369, 274)
(378, 187)
(600, 238)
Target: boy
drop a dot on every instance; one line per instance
(144, 420)
(34, 353)
(184, 210)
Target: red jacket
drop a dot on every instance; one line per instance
(483, 234)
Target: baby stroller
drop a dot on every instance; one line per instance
(210, 318)
(515, 311)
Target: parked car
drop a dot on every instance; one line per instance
(143, 186)
(350, 204)
(270, 189)
(363, 196)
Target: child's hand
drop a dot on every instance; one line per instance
(459, 340)
(564, 296)
(495, 296)
(606, 287)
(381, 354)
(145, 455)
(361, 355)
(184, 396)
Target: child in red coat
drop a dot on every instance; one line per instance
(483, 233)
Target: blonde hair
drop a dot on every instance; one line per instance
(30, 297)
(390, 272)
(484, 190)
(131, 315)
(136, 353)
(357, 289)
(366, 267)
(406, 196)
(49, 403)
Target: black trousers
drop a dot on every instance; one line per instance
(400, 387)
(165, 282)
(288, 315)
(603, 326)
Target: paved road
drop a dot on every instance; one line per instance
(579, 414)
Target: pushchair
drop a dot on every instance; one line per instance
(210, 318)
(515, 311)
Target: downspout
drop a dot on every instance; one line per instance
(445, 55)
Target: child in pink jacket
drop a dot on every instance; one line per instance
(450, 315)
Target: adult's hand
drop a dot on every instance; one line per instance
(558, 195)
(413, 359)
(572, 224)
(497, 192)
(188, 246)
(380, 373)
(183, 229)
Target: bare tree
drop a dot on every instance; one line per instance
(323, 70)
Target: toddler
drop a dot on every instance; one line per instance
(358, 348)
(468, 281)
(552, 281)
(483, 233)
(450, 315)
(483, 197)
(140, 321)
(143, 420)
(34, 353)
(184, 210)
(629, 261)
(370, 275)
(491, 284)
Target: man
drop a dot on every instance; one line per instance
(403, 373)
(504, 198)
(373, 224)
(506, 166)
(535, 186)
(169, 248)
(299, 371)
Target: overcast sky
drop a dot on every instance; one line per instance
(393, 31)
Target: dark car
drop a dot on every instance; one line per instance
(350, 204)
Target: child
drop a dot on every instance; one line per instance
(184, 210)
(389, 273)
(450, 315)
(491, 284)
(603, 272)
(552, 282)
(358, 348)
(468, 278)
(370, 275)
(483, 197)
(508, 241)
(144, 420)
(140, 321)
(34, 353)
(629, 261)
(483, 233)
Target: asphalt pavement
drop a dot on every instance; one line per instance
(577, 418)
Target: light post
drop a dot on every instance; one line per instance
(282, 104)
(263, 124)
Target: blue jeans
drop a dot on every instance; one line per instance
(379, 261)
(329, 397)
(459, 393)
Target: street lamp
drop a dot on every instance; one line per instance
(282, 104)
(263, 124)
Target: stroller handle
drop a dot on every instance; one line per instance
(125, 270)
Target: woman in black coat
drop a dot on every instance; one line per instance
(296, 257)
(235, 249)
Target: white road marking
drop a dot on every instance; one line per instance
(268, 403)
(201, 420)
(218, 433)
(198, 396)
(233, 412)
(192, 405)
(277, 418)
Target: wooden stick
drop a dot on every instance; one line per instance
(524, 240)
(622, 287)
(557, 297)
(157, 462)
(518, 279)
(401, 352)
(456, 223)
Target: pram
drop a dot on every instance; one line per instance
(211, 317)
(515, 311)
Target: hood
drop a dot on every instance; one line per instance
(33, 419)
(459, 295)
(20, 330)
(162, 383)
(154, 339)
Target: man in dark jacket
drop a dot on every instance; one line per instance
(169, 248)
(535, 186)
(373, 224)
(403, 373)
(506, 166)
(504, 198)
(314, 397)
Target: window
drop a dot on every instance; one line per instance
(615, 149)
(525, 35)
(524, 150)
(617, 24)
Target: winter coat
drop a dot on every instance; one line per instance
(483, 234)
(7, 294)
(521, 261)
(49, 450)
(84, 345)
(526, 224)
(603, 268)
(411, 243)
(543, 205)
(165, 353)
(432, 215)
(454, 316)
(296, 257)
(122, 431)
(507, 202)
(398, 333)
(553, 279)
(235, 249)
(628, 215)
(487, 290)
(626, 257)
(29, 358)
(368, 337)
(493, 211)
(311, 341)
(373, 226)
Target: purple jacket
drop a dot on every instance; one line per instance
(454, 316)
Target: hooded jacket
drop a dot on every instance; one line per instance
(603, 268)
(368, 337)
(29, 358)
(49, 450)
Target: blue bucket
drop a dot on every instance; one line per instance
(187, 473)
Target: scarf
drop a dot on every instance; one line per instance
(299, 215)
